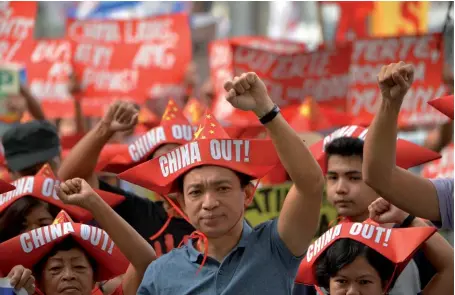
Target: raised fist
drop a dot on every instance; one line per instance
(21, 277)
(76, 192)
(249, 93)
(395, 80)
(382, 212)
(121, 116)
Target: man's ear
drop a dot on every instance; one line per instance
(249, 194)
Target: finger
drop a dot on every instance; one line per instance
(23, 279)
(228, 85)
(77, 182)
(381, 74)
(244, 82)
(231, 95)
(125, 116)
(133, 121)
(238, 86)
(15, 276)
(119, 111)
(71, 187)
(65, 188)
(111, 111)
(251, 77)
(407, 71)
(60, 193)
(388, 80)
(29, 286)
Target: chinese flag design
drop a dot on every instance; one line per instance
(46, 171)
(210, 129)
(173, 115)
(194, 111)
(62, 217)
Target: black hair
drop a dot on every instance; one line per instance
(65, 245)
(243, 178)
(345, 147)
(13, 219)
(342, 253)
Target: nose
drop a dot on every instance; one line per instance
(68, 274)
(353, 290)
(341, 187)
(210, 201)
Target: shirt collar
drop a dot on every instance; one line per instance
(195, 254)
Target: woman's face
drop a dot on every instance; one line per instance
(67, 273)
(357, 278)
(38, 216)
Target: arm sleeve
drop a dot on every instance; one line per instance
(444, 189)
(147, 286)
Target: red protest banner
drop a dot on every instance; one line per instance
(442, 167)
(289, 72)
(131, 59)
(17, 22)
(48, 70)
(369, 55)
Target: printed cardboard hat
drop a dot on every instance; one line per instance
(444, 105)
(174, 128)
(408, 154)
(309, 116)
(212, 146)
(6, 187)
(41, 186)
(396, 244)
(194, 111)
(147, 118)
(29, 248)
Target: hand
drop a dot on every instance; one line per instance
(382, 212)
(121, 116)
(395, 80)
(21, 277)
(77, 192)
(249, 93)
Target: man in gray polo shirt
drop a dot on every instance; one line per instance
(241, 260)
(425, 198)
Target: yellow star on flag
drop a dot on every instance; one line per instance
(305, 110)
(198, 132)
(211, 131)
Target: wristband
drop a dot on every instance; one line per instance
(270, 115)
(408, 220)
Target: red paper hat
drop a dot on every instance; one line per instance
(6, 187)
(147, 118)
(29, 248)
(308, 116)
(212, 146)
(194, 111)
(408, 154)
(174, 128)
(396, 244)
(444, 105)
(41, 186)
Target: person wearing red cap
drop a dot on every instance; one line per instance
(431, 199)
(366, 258)
(212, 175)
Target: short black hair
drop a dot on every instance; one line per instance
(345, 147)
(342, 253)
(243, 178)
(65, 245)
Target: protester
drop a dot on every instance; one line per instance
(214, 194)
(155, 221)
(365, 258)
(429, 199)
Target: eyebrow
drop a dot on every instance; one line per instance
(346, 172)
(211, 183)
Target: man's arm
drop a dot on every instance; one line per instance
(82, 159)
(299, 217)
(33, 106)
(407, 191)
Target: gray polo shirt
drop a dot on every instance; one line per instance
(444, 189)
(259, 264)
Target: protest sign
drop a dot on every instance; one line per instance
(369, 55)
(442, 167)
(290, 73)
(129, 59)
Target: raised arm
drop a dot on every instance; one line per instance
(410, 192)
(299, 216)
(33, 106)
(82, 159)
(137, 250)
(436, 249)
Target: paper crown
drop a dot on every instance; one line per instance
(396, 244)
(211, 146)
(6, 187)
(174, 128)
(41, 186)
(29, 248)
(443, 104)
(408, 154)
(194, 111)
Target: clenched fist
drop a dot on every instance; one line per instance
(121, 116)
(382, 212)
(77, 192)
(249, 93)
(21, 277)
(395, 80)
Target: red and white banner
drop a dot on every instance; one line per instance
(289, 72)
(369, 55)
(129, 59)
(442, 167)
